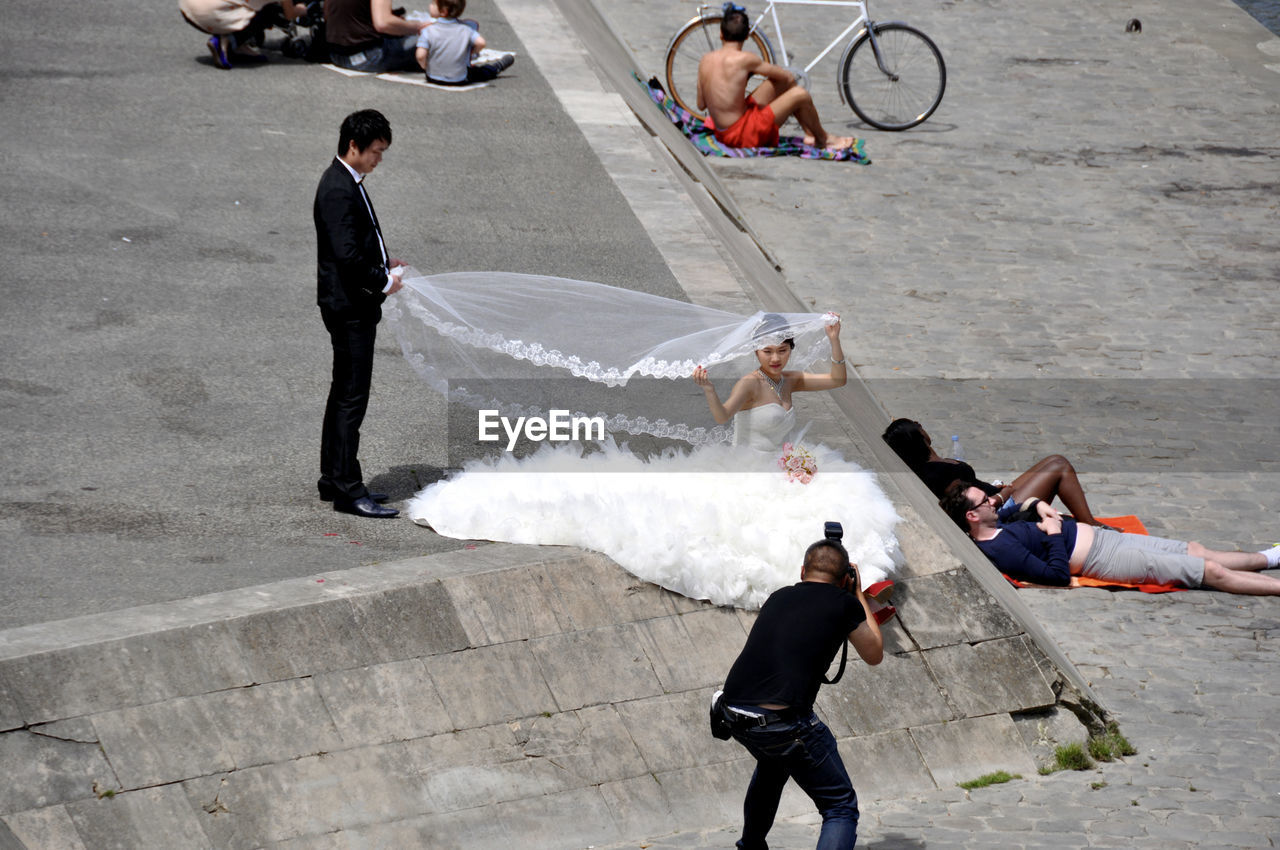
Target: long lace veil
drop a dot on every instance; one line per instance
(527, 345)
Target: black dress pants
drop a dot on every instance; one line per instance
(352, 337)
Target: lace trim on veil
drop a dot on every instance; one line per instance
(538, 355)
(498, 339)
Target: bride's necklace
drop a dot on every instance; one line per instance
(777, 386)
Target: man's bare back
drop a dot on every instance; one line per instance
(722, 91)
(722, 82)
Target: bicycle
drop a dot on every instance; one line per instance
(891, 74)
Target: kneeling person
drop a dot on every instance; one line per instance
(769, 695)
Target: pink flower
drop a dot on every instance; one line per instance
(798, 464)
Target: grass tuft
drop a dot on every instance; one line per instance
(1110, 745)
(1072, 757)
(996, 778)
(1120, 745)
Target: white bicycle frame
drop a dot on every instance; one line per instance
(772, 12)
(860, 29)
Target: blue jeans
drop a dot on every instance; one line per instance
(803, 750)
(396, 53)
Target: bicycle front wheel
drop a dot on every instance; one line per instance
(694, 40)
(907, 90)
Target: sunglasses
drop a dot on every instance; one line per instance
(981, 502)
(733, 7)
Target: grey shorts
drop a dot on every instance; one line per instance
(1140, 559)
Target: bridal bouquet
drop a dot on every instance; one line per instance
(797, 463)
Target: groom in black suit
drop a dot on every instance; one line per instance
(354, 276)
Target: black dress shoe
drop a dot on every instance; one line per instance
(364, 507)
(327, 496)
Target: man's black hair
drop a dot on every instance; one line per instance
(735, 25)
(364, 128)
(955, 503)
(827, 556)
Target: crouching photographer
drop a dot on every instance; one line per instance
(767, 702)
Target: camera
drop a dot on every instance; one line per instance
(835, 531)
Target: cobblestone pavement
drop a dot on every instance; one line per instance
(1087, 206)
(1078, 253)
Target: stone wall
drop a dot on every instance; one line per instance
(495, 697)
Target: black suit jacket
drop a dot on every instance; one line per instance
(350, 272)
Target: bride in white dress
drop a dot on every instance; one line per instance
(717, 522)
(767, 390)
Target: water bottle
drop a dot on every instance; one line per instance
(956, 451)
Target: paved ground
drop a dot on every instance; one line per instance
(1078, 253)
(165, 366)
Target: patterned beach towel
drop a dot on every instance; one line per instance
(695, 130)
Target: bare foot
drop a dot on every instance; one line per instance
(833, 143)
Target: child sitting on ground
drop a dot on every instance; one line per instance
(445, 48)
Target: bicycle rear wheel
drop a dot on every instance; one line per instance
(686, 49)
(913, 86)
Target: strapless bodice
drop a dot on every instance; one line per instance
(764, 428)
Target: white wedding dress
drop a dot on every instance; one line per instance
(764, 428)
(719, 522)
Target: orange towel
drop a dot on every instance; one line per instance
(1130, 525)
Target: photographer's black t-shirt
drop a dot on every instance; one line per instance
(791, 645)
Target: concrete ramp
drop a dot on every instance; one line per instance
(490, 698)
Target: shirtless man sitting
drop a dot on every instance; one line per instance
(744, 120)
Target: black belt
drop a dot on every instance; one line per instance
(743, 716)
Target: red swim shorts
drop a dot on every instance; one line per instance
(755, 129)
